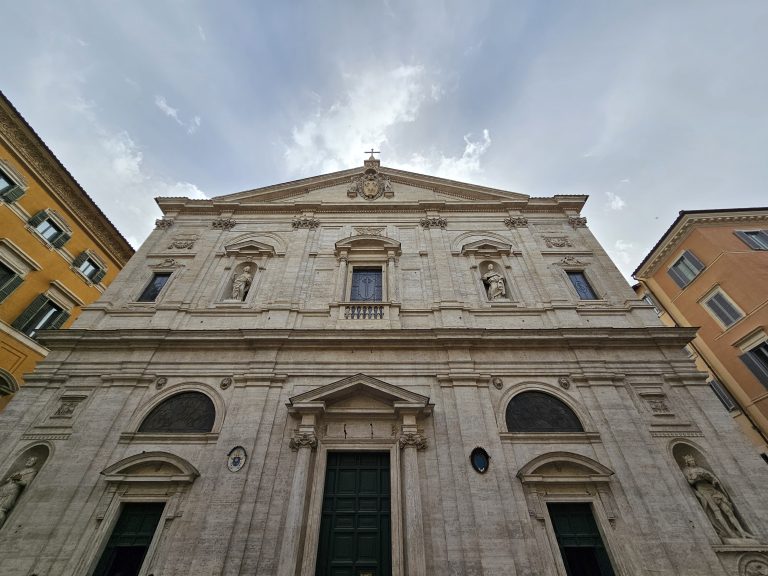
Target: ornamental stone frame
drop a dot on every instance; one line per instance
(359, 413)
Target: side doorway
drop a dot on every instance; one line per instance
(130, 539)
(581, 545)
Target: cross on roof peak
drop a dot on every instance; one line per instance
(372, 152)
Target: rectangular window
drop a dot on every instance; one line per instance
(48, 230)
(41, 314)
(10, 191)
(649, 300)
(5, 274)
(580, 282)
(366, 285)
(153, 288)
(756, 360)
(722, 309)
(9, 281)
(5, 182)
(685, 269)
(755, 239)
(723, 395)
(130, 539)
(88, 268)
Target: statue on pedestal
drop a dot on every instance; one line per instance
(241, 284)
(11, 489)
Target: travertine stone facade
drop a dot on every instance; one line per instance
(295, 370)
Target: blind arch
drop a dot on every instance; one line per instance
(535, 411)
(185, 412)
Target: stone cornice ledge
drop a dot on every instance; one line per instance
(437, 337)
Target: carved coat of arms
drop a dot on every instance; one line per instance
(370, 186)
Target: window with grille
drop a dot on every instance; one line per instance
(366, 285)
(685, 269)
(581, 284)
(723, 309)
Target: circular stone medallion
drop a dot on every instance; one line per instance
(236, 458)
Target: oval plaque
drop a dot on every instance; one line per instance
(236, 458)
(480, 460)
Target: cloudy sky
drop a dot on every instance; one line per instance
(648, 107)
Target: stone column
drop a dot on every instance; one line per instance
(303, 443)
(391, 279)
(415, 561)
(341, 281)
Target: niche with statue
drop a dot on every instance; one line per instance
(17, 478)
(494, 282)
(240, 282)
(712, 496)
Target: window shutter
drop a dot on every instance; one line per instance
(679, 279)
(747, 240)
(723, 395)
(79, 259)
(10, 286)
(60, 240)
(99, 276)
(58, 320)
(756, 367)
(37, 218)
(12, 194)
(695, 262)
(31, 310)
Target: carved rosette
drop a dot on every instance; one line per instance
(303, 440)
(310, 223)
(224, 224)
(163, 223)
(433, 222)
(418, 441)
(577, 221)
(516, 222)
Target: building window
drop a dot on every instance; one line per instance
(89, 267)
(534, 411)
(150, 293)
(181, 413)
(755, 239)
(366, 285)
(649, 300)
(723, 395)
(581, 284)
(41, 314)
(50, 228)
(685, 269)
(9, 281)
(10, 190)
(721, 307)
(756, 360)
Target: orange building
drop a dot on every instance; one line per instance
(58, 251)
(710, 270)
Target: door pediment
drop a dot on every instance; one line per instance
(360, 395)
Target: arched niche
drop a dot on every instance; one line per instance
(151, 467)
(495, 283)
(186, 411)
(17, 478)
(242, 281)
(538, 411)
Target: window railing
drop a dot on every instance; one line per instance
(362, 311)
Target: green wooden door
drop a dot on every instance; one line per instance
(129, 542)
(581, 545)
(355, 527)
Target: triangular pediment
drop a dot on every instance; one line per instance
(486, 246)
(406, 187)
(360, 394)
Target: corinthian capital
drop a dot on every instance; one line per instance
(303, 440)
(418, 441)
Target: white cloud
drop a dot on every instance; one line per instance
(465, 167)
(623, 252)
(194, 125)
(615, 202)
(201, 32)
(168, 110)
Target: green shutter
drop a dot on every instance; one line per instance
(58, 320)
(60, 240)
(31, 310)
(12, 194)
(99, 276)
(10, 286)
(79, 259)
(37, 218)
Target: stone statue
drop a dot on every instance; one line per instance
(11, 489)
(241, 284)
(714, 500)
(495, 283)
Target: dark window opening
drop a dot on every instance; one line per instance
(579, 540)
(153, 288)
(756, 360)
(184, 412)
(540, 412)
(127, 546)
(366, 285)
(582, 286)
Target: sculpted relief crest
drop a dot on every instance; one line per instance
(370, 186)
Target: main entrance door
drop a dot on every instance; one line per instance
(355, 526)
(579, 539)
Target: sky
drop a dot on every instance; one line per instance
(648, 107)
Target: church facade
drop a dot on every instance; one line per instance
(371, 373)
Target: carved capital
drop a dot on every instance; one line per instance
(433, 222)
(223, 224)
(516, 222)
(163, 223)
(577, 221)
(310, 223)
(303, 440)
(418, 441)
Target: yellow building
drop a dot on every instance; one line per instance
(58, 251)
(710, 271)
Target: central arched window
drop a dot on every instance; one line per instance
(535, 411)
(183, 412)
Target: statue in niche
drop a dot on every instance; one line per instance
(11, 489)
(241, 284)
(495, 284)
(712, 497)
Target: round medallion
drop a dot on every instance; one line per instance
(236, 458)
(480, 460)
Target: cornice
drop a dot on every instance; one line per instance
(683, 225)
(59, 183)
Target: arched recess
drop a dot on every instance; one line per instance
(167, 394)
(550, 396)
(17, 479)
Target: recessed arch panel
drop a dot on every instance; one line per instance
(188, 411)
(535, 411)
